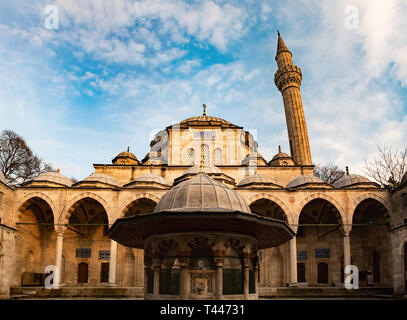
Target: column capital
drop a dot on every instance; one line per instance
(346, 229)
(60, 231)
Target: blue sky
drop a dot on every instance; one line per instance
(115, 72)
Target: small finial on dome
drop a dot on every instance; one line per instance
(58, 171)
(204, 109)
(347, 170)
(302, 170)
(128, 149)
(279, 149)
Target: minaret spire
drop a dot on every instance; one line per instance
(281, 47)
(288, 80)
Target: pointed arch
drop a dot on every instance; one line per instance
(331, 200)
(373, 196)
(282, 205)
(69, 207)
(30, 199)
(126, 205)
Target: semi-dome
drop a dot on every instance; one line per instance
(148, 178)
(349, 180)
(2, 178)
(202, 193)
(257, 179)
(53, 178)
(308, 180)
(99, 178)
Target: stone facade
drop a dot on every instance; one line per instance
(48, 221)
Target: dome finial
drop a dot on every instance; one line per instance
(279, 149)
(128, 149)
(302, 170)
(58, 171)
(347, 170)
(204, 109)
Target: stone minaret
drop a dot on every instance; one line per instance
(288, 81)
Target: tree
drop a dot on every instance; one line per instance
(17, 162)
(388, 167)
(330, 173)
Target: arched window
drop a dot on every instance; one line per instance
(206, 154)
(189, 157)
(217, 157)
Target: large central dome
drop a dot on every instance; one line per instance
(202, 193)
(206, 121)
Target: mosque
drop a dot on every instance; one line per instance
(205, 215)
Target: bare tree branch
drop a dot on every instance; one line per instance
(330, 173)
(17, 162)
(388, 167)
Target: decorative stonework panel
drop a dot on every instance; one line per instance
(202, 283)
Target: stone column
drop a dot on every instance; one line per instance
(219, 281)
(293, 262)
(183, 288)
(146, 268)
(157, 269)
(112, 263)
(58, 257)
(246, 279)
(256, 277)
(346, 251)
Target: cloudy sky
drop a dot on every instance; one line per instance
(114, 72)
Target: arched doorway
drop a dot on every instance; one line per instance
(319, 236)
(271, 260)
(35, 241)
(370, 243)
(83, 272)
(86, 236)
(131, 261)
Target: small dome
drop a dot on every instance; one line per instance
(2, 179)
(256, 179)
(54, 177)
(202, 193)
(125, 157)
(127, 154)
(280, 155)
(404, 179)
(150, 177)
(102, 178)
(305, 179)
(350, 180)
